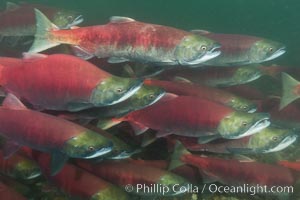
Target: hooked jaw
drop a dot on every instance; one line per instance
(283, 144)
(240, 124)
(258, 126)
(101, 152)
(87, 145)
(207, 56)
(276, 54)
(114, 90)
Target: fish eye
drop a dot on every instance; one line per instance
(91, 148)
(245, 107)
(70, 17)
(119, 90)
(275, 138)
(244, 123)
(151, 96)
(203, 48)
(271, 49)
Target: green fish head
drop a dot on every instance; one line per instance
(272, 139)
(196, 49)
(265, 50)
(121, 150)
(26, 169)
(87, 145)
(114, 90)
(246, 74)
(240, 124)
(241, 104)
(172, 180)
(65, 19)
(146, 96)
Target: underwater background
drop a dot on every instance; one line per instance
(273, 19)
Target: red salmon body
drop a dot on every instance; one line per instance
(78, 182)
(219, 146)
(182, 115)
(205, 92)
(119, 35)
(291, 165)
(188, 89)
(124, 39)
(37, 130)
(235, 172)
(8, 193)
(51, 82)
(123, 172)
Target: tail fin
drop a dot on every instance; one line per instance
(42, 40)
(179, 151)
(288, 90)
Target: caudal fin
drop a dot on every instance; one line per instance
(179, 151)
(288, 90)
(42, 40)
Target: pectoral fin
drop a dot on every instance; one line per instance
(163, 134)
(82, 53)
(138, 128)
(74, 107)
(9, 148)
(148, 138)
(57, 162)
(207, 138)
(114, 60)
(208, 177)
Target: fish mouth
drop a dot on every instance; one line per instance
(157, 99)
(276, 54)
(214, 52)
(124, 155)
(253, 110)
(130, 92)
(101, 152)
(33, 175)
(283, 144)
(258, 126)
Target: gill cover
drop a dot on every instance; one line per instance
(114, 90)
(87, 145)
(195, 49)
(265, 50)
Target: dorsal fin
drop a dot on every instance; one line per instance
(201, 32)
(10, 6)
(12, 102)
(34, 56)
(118, 19)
